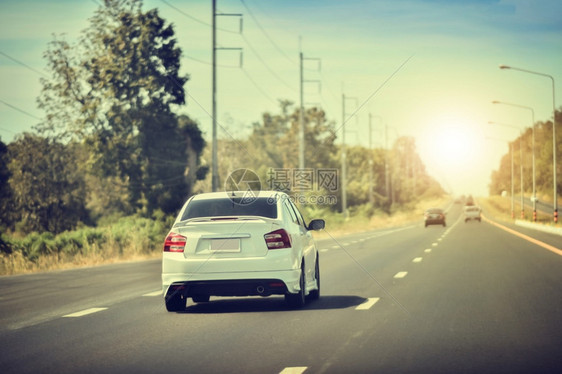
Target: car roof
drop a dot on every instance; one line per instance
(434, 210)
(238, 194)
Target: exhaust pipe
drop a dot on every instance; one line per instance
(260, 289)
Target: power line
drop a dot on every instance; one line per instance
(265, 33)
(209, 63)
(266, 66)
(20, 110)
(258, 87)
(23, 64)
(10, 131)
(195, 19)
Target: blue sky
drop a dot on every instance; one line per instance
(441, 95)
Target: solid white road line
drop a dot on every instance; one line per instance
(368, 304)
(294, 370)
(155, 293)
(85, 312)
(401, 274)
(417, 259)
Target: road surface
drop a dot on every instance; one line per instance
(466, 298)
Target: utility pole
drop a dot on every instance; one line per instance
(344, 158)
(301, 111)
(386, 150)
(343, 162)
(214, 160)
(371, 199)
(371, 162)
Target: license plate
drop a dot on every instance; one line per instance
(225, 245)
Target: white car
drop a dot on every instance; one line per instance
(472, 212)
(232, 244)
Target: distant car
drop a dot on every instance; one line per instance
(434, 216)
(472, 212)
(226, 244)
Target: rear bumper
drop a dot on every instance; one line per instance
(240, 287)
(232, 284)
(434, 221)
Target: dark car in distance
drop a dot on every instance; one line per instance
(434, 216)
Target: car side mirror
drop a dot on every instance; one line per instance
(316, 224)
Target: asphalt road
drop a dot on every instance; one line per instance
(466, 298)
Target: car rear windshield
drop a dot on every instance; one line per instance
(261, 207)
(434, 211)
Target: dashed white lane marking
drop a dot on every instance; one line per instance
(155, 293)
(368, 304)
(335, 246)
(324, 250)
(428, 250)
(417, 259)
(401, 274)
(85, 312)
(294, 370)
(434, 244)
(439, 239)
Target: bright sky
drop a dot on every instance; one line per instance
(425, 68)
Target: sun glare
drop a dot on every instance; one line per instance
(450, 146)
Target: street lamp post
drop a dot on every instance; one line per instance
(533, 152)
(520, 164)
(555, 203)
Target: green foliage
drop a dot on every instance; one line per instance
(501, 178)
(48, 192)
(115, 90)
(6, 201)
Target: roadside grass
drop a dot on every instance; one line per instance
(129, 238)
(500, 208)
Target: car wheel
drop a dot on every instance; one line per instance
(175, 303)
(315, 294)
(200, 298)
(298, 300)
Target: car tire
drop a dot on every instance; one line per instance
(200, 298)
(297, 300)
(175, 303)
(315, 294)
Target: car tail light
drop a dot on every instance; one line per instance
(174, 243)
(277, 239)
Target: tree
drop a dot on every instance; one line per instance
(48, 191)
(6, 203)
(115, 90)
